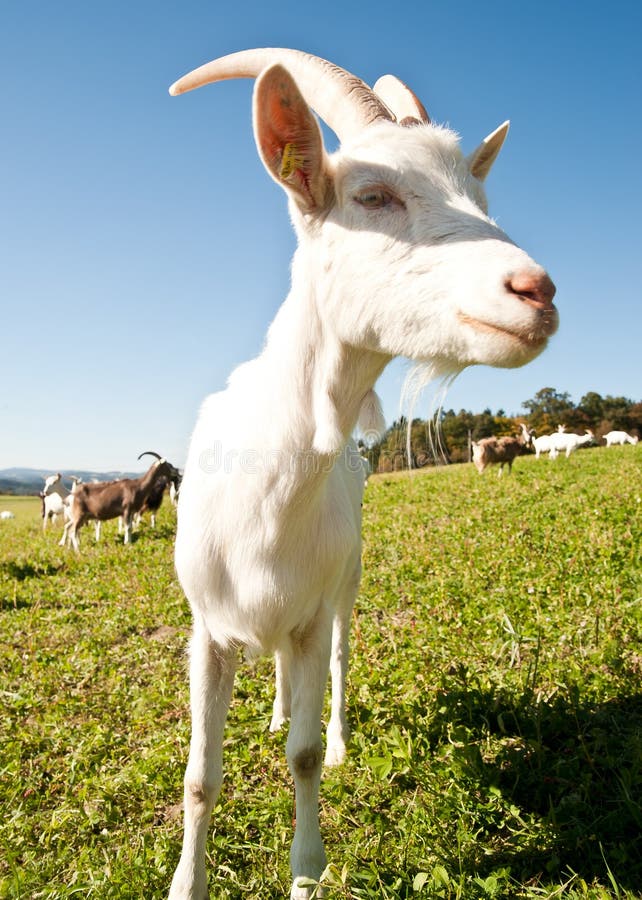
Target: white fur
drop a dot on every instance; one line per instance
(268, 543)
(544, 443)
(56, 499)
(568, 443)
(614, 438)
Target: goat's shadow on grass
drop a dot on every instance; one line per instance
(12, 571)
(575, 765)
(21, 571)
(159, 533)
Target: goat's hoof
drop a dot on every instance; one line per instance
(307, 889)
(335, 756)
(188, 888)
(277, 722)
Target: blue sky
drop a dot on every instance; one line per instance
(144, 250)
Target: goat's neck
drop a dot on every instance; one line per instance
(149, 477)
(322, 381)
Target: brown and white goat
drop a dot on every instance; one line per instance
(103, 500)
(396, 257)
(493, 451)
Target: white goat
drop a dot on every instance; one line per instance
(396, 256)
(544, 443)
(7, 514)
(568, 443)
(614, 438)
(501, 451)
(56, 498)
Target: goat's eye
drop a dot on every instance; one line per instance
(374, 198)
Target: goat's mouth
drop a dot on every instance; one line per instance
(531, 338)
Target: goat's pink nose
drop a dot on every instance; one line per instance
(535, 288)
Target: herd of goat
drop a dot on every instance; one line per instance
(128, 499)
(501, 451)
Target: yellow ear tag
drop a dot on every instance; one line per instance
(290, 161)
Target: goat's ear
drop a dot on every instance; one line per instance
(481, 160)
(289, 139)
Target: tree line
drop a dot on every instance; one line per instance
(449, 438)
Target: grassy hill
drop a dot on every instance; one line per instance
(494, 695)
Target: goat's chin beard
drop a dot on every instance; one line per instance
(420, 377)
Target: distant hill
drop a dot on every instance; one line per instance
(30, 481)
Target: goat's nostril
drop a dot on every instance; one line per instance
(535, 288)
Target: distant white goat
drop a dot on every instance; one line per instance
(55, 498)
(501, 451)
(568, 443)
(396, 256)
(544, 443)
(7, 514)
(614, 438)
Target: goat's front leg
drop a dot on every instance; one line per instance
(308, 675)
(212, 671)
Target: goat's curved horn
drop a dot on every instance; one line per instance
(342, 100)
(404, 103)
(150, 453)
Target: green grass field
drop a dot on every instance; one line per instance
(23, 508)
(494, 695)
